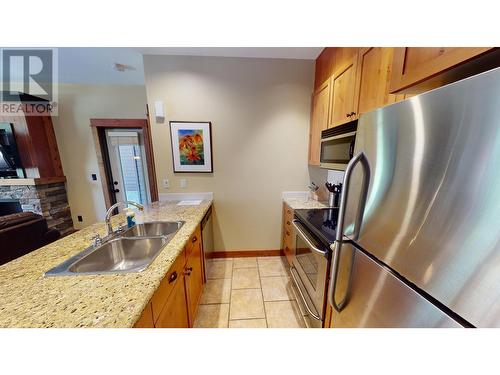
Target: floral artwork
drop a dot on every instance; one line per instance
(191, 147)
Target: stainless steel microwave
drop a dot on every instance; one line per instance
(337, 146)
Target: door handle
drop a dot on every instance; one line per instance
(296, 282)
(339, 238)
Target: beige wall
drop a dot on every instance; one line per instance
(77, 105)
(259, 109)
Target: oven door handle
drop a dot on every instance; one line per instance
(339, 239)
(296, 282)
(304, 236)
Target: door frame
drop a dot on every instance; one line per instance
(98, 127)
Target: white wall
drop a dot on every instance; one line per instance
(259, 109)
(77, 105)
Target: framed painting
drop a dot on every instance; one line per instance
(191, 146)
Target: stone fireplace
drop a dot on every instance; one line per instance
(47, 199)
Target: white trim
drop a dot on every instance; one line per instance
(185, 196)
(294, 195)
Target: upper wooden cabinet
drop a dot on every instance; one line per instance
(342, 103)
(319, 120)
(414, 68)
(373, 79)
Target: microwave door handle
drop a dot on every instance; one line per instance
(304, 236)
(337, 245)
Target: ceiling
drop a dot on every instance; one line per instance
(97, 65)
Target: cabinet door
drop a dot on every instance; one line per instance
(146, 318)
(175, 312)
(319, 120)
(373, 78)
(194, 280)
(342, 107)
(287, 232)
(414, 65)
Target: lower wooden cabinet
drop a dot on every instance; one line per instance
(175, 302)
(287, 241)
(175, 312)
(194, 278)
(146, 318)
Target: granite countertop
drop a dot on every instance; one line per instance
(304, 203)
(28, 299)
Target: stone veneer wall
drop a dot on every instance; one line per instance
(48, 200)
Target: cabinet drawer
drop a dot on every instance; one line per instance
(167, 285)
(193, 241)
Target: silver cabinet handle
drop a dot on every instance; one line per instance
(337, 245)
(304, 236)
(295, 281)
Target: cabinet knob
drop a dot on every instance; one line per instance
(353, 113)
(347, 115)
(172, 277)
(187, 273)
(288, 223)
(287, 233)
(194, 239)
(188, 268)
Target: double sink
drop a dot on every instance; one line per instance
(132, 250)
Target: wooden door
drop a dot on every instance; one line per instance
(194, 279)
(413, 65)
(319, 120)
(175, 312)
(342, 107)
(373, 79)
(146, 318)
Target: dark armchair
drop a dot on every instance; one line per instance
(22, 233)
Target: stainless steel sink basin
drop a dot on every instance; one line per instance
(131, 251)
(153, 229)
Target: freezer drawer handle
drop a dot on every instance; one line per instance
(295, 281)
(337, 245)
(304, 236)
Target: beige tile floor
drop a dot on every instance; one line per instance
(248, 293)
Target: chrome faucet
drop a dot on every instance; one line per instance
(117, 204)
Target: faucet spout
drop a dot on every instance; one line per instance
(109, 213)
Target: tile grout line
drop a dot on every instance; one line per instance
(262, 294)
(230, 295)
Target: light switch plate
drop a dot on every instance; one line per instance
(166, 183)
(183, 183)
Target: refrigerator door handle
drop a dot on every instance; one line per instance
(337, 245)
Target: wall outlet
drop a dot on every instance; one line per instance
(166, 183)
(183, 183)
(80, 218)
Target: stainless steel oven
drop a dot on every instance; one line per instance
(309, 272)
(337, 146)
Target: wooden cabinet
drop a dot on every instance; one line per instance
(175, 312)
(342, 103)
(287, 237)
(419, 69)
(146, 318)
(194, 275)
(373, 79)
(319, 120)
(175, 302)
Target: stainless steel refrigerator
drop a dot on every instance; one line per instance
(420, 212)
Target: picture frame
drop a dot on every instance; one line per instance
(191, 143)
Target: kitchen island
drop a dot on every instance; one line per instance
(28, 299)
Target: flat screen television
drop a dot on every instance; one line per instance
(10, 162)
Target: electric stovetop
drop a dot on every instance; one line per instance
(320, 221)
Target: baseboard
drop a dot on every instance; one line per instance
(246, 253)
